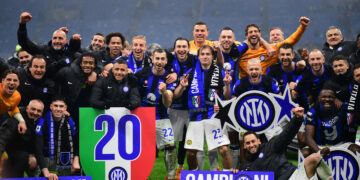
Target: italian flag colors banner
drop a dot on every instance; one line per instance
(117, 143)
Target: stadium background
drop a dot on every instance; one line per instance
(164, 20)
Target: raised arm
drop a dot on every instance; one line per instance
(295, 37)
(23, 38)
(279, 143)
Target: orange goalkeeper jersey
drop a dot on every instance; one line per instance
(9, 105)
(261, 53)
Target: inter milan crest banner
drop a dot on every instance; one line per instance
(255, 111)
(116, 143)
(344, 163)
(226, 175)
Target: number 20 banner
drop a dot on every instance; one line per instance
(117, 143)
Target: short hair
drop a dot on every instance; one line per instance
(358, 37)
(249, 133)
(276, 27)
(356, 66)
(201, 23)
(181, 39)
(36, 100)
(87, 54)
(10, 71)
(20, 50)
(316, 50)
(286, 46)
(333, 27)
(139, 37)
(251, 25)
(338, 58)
(158, 50)
(115, 34)
(253, 61)
(98, 34)
(58, 98)
(37, 56)
(121, 61)
(207, 47)
(226, 28)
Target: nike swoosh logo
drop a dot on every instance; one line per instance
(69, 82)
(109, 87)
(26, 83)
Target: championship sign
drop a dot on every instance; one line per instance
(116, 143)
(255, 111)
(226, 175)
(343, 163)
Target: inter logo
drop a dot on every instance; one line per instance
(343, 164)
(254, 112)
(118, 173)
(243, 177)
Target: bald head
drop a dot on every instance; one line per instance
(59, 39)
(35, 109)
(254, 70)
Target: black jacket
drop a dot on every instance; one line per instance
(31, 88)
(72, 81)
(108, 92)
(12, 141)
(355, 57)
(340, 84)
(271, 155)
(55, 59)
(345, 48)
(104, 57)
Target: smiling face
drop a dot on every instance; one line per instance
(58, 40)
(120, 71)
(253, 35)
(200, 33)
(254, 70)
(38, 68)
(327, 99)
(10, 83)
(24, 58)
(115, 46)
(251, 143)
(226, 39)
(356, 75)
(340, 66)
(181, 49)
(97, 42)
(286, 56)
(58, 109)
(316, 61)
(35, 109)
(159, 60)
(138, 47)
(333, 36)
(276, 35)
(87, 64)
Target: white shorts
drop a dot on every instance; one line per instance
(211, 128)
(164, 133)
(179, 119)
(300, 173)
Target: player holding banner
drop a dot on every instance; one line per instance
(204, 81)
(156, 93)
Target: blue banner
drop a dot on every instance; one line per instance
(60, 178)
(226, 175)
